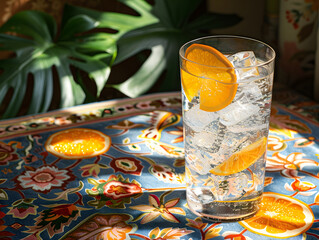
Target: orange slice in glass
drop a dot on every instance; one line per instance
(209, 74)
(242, 159)
(78, 143)
(280, 216)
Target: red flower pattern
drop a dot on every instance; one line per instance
(114, 192)
(7, 154)
(127, 165)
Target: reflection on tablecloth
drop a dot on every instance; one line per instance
(136, 189)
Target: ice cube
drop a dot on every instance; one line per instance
(248, 93)
(204, 139)
(248, 127)
(228, 188)
(198, 119)
(243, 61)
(237, 112)
(209, 139)
(198, 162)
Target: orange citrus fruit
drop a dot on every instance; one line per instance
(209, 74)
(78, 143)
(242, 159)
(280, 216)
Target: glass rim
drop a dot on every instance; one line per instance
(229, 37)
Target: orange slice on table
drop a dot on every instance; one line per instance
(78, 143)
(280, 216)
(242, 159)
(215, 85)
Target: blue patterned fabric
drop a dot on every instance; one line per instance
(136, 190)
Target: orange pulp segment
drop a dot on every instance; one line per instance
(242, 159)
(211, 75)
(280, 216)
(78, 143)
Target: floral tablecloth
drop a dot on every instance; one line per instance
(136, 189)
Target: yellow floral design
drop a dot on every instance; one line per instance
(157, 207)
(210, 232)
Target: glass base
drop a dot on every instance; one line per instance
(226, 211)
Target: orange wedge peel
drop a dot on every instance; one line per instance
(209, 74)
(242, 159)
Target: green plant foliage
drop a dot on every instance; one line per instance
(40, 50)
(175, 26)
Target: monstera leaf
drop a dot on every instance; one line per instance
(92, 42)
(177, 24)
(164, 39)
(41, 53)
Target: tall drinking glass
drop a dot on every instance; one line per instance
(227, 88)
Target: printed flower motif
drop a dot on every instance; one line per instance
(62, 121)
(3, 232)
(55, 218)
(15, 128)
(276, 143)
(168, 233)
(2, 131)
(159, 121)
(3, 194)
(268, 181)
(288, 166)
(157, 208)
(92, 169)
(48, 121)
(114, 192)
(23, 208)
(231, 235)
(197, 223)
(116, 228)
(165, 149)
(210, 232)
(7, 154)
(284, 125)
(104, 226)
(126, 108)
(143, 105)
(44, 178)
(29, 158)
(165, 173)
(59, 121)
(304, 142)
(127, 165)
(157, 103)
(125, 125)
(179, 133)
(300, 187)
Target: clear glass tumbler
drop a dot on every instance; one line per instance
(227, 89)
